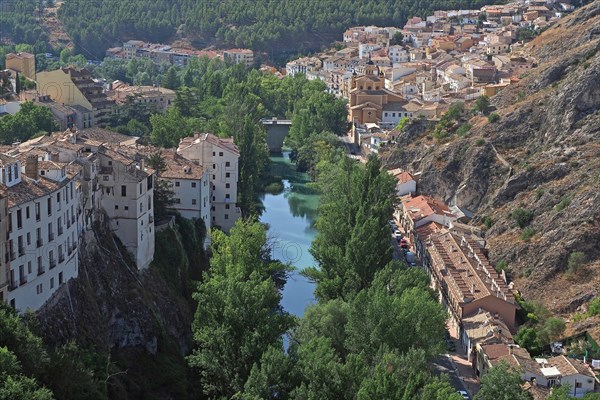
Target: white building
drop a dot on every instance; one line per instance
(303, 66)
(220, 158)
(405, 183)
(191, 184)
(41, 228)
(128, 190)
(240, 56)
(398, 54)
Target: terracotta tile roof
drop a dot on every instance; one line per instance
(177, 167)
(467, 272)
(483, 328)
(224, 143)
(29, 190)
(428, 229)
(570, 366)
(495, 351)
(419, 207)
(102, 135)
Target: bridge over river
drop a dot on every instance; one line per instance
(277, 130)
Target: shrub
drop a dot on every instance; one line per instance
(564, 203)
(274, 188)
(594, 307)
(455, 110)
(522, 217)
(539, 193)
(488, 222)
(494, 117)
(501, 265)
(463, 129)
(402, 123)
(528, 233)
(576, 260)
(480, 142)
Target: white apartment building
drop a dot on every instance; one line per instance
(127, 197)
(220, 158)
(398, 54)
(240, 56)
(191, 184)
(41, 227)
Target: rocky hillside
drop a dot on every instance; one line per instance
(543, 156)
(141, 321)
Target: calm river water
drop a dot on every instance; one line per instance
(290, 216)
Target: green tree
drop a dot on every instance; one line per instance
(502, 383)
(353, 240)
(482, 105)
(171, 80)
(273, 377)
(576, 260)
(455, 110)
(65, 56)
(238, 316)
(560, 393)
(552, 330)
(17, 84)
(397, 39)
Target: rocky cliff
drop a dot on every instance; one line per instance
(135, 319)
(543, 155)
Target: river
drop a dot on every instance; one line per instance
(290, 216)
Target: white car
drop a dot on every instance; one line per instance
(397, 234)
(464, 394)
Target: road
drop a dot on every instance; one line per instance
(443, 364)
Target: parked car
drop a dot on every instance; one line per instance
(392, 223)
(464, 394)
(397, 234)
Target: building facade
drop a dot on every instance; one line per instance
(220, 158)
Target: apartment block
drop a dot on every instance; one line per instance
(240, 56)
(23, 63)
(41, 227)
(76, 88)
(219, 157)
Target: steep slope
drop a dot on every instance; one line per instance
(140, 321)
(543, 155)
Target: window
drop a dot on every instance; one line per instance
(27, 212)
(220, 154)
(193, 202)
(140, 188)
(51, 283)
(37, 211)
(105, 177)
(116, 207)
(40, 266)
(49, 206)
(213, 153)
(227, 206)
(193, 184)
(227, 175)
(126, 208)
(176, 183)
(19, 219)
(176, 200)
(141, 207)
(214, 166)
(226, 216)
(227, 195)
(227, 186)
(109, 162)
(214, 177)
(28, 238)
(28, 267)
(50, 234)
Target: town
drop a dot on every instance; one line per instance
(55, 187)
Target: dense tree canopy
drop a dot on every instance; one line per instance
(28, 122)
(258, 24)
(353, 240)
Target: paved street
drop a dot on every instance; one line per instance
(444, 365)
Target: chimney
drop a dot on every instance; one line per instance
(31, 167)
(510, 349)
(142, 164)
(73, 138)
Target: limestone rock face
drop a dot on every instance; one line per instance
(542, 155)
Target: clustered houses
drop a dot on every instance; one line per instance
(156, 97)
(163, 53)
(52, 189)
(450, 56)
(481, 303)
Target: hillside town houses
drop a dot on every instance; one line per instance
(480, 300)
(53, 188)
(419, 70)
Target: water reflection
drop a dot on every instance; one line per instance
(290, 216)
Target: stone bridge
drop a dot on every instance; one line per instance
(277, 130)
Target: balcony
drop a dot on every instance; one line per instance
(12, 285)
(21, 251)
(23, 280)
(60, 230)
(50, 237)
(41, 271)
(61, 258)
(13, 256)
(52, 264)
(37, 217)
(39, 242)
